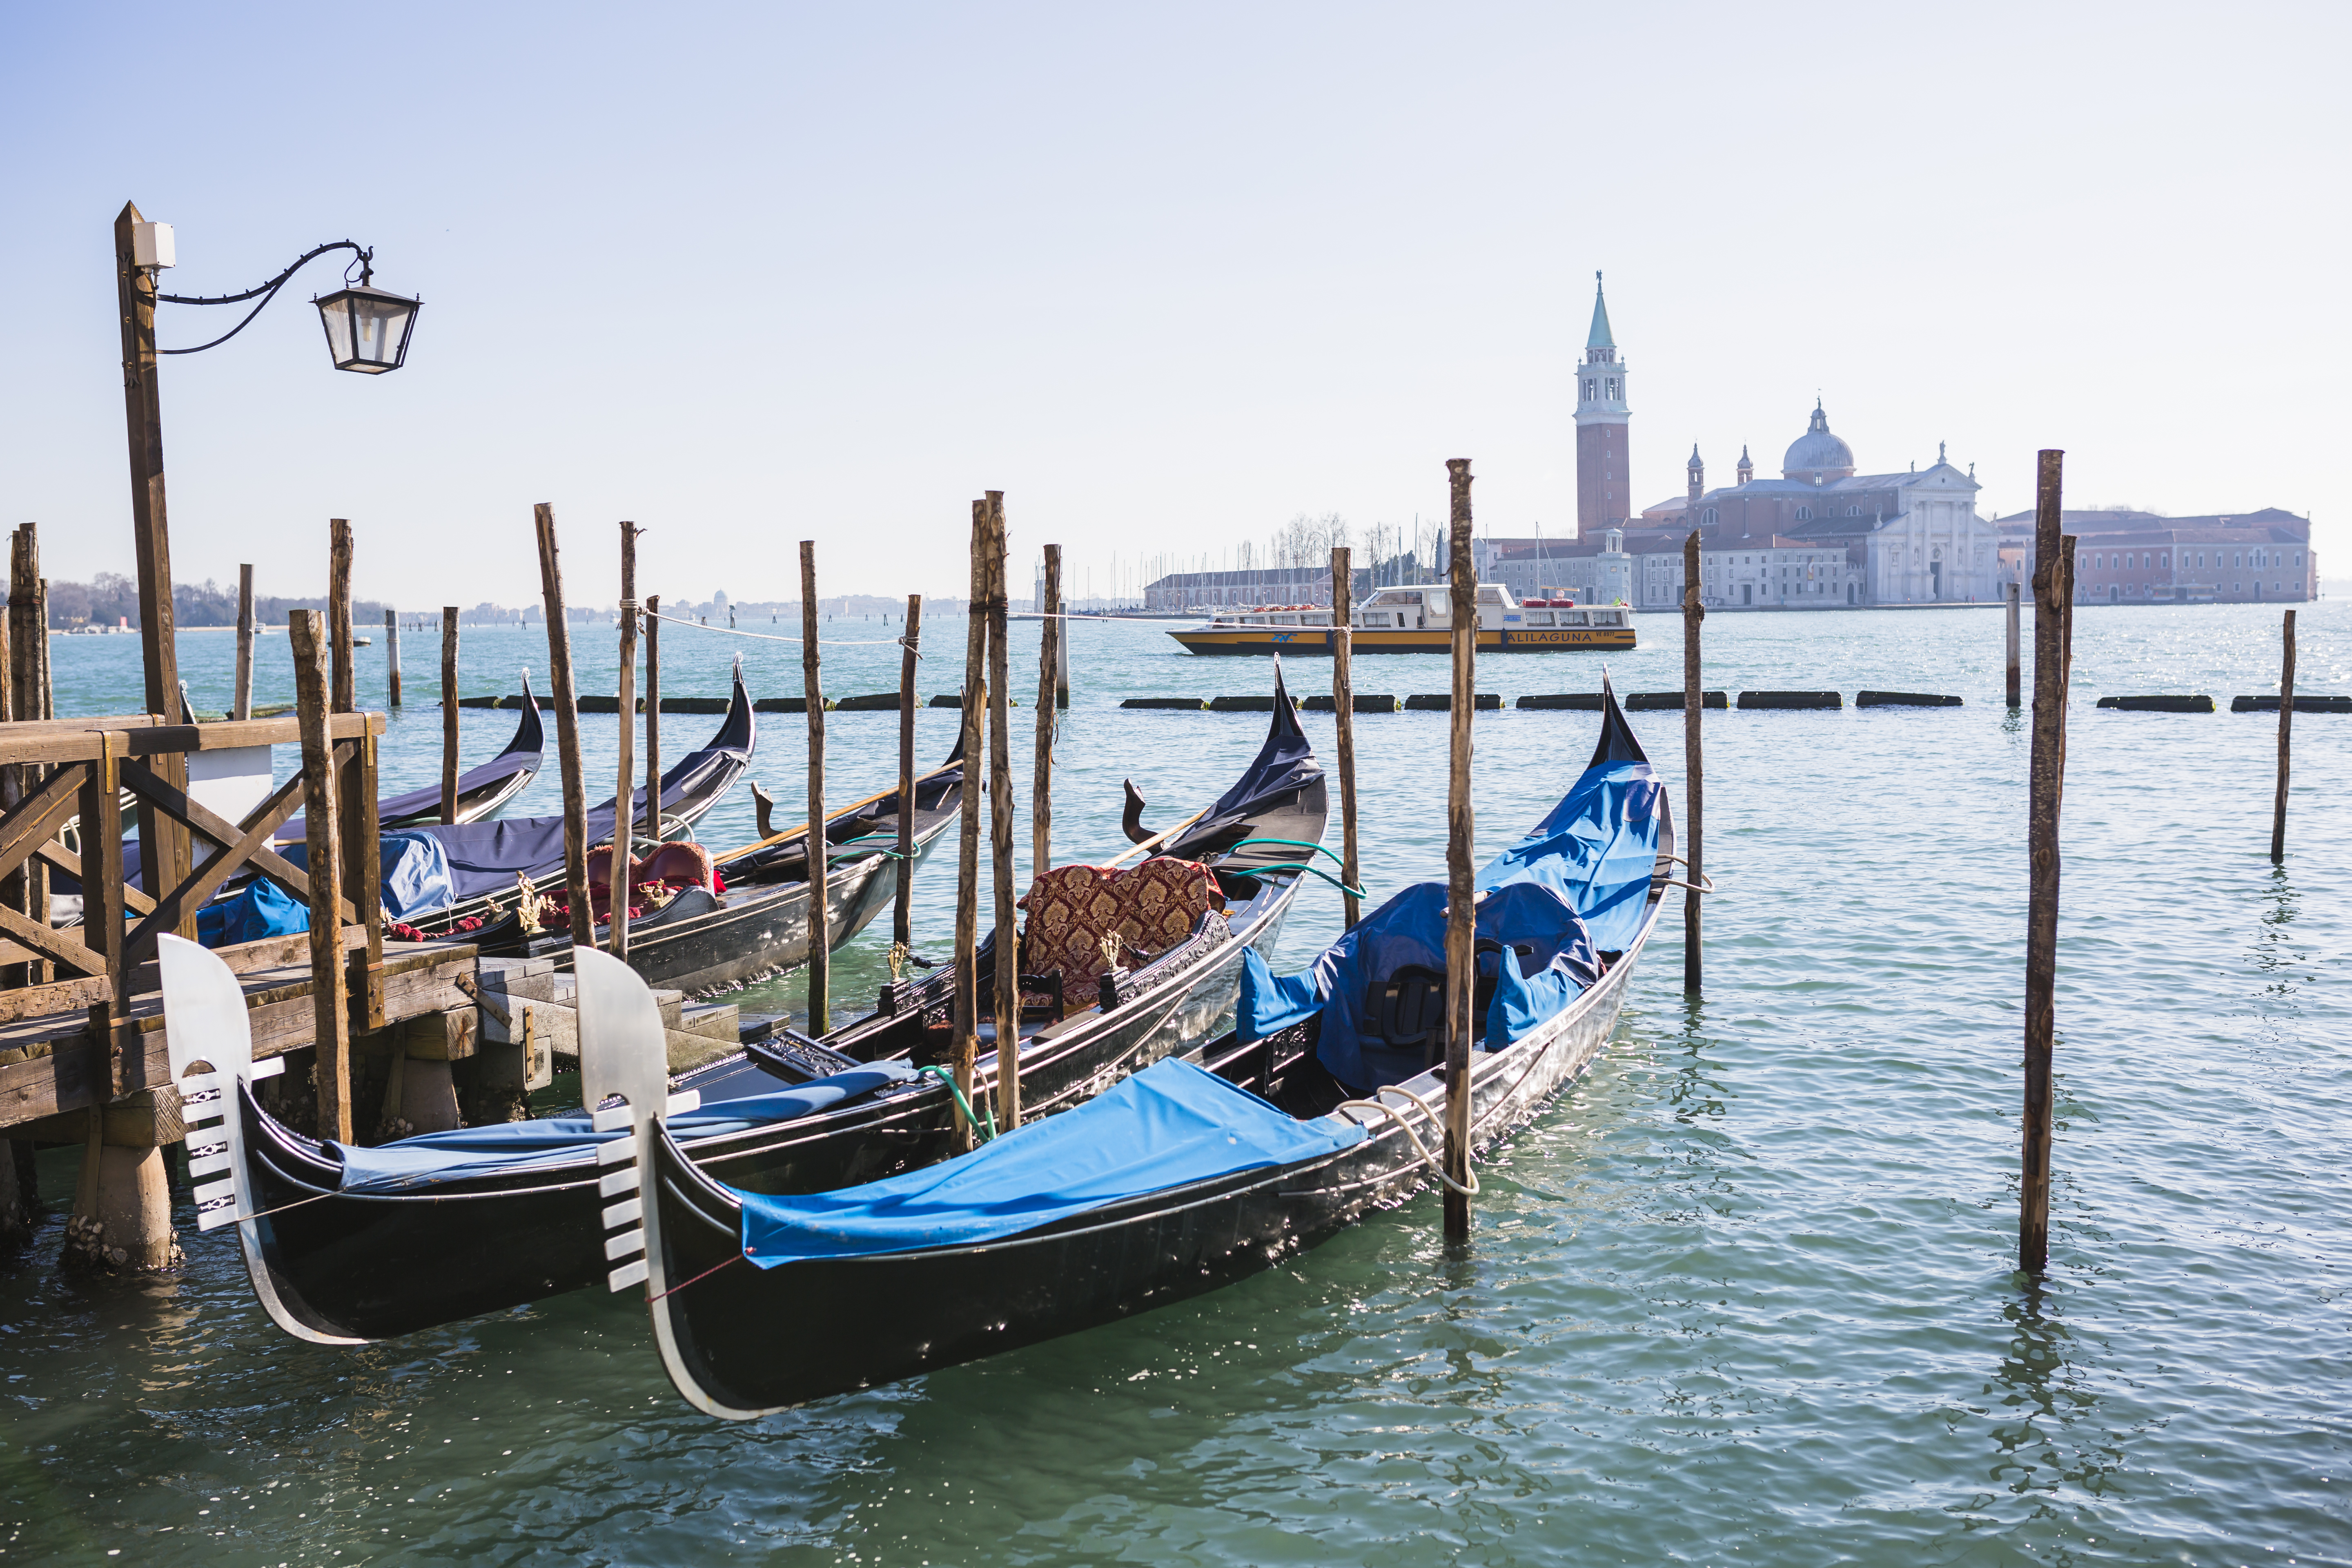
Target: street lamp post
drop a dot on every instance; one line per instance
(374, 327)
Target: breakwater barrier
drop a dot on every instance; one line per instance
(2270, 704)
(2163, 704)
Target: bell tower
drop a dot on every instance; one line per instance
(1604, 488)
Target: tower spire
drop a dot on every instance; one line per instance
(1600, 338)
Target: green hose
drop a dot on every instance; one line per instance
(1302, 866)
(1293, 843)
(945, 1076)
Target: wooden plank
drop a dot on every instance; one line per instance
(364, 883)
(64, 859)
(53, 942)
(57, 997)
(241, 845)
(46, 808)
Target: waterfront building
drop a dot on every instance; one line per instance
(2124, 556)
(1265, 585)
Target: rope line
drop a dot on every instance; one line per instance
(1397, 1116)
(771, 636)
(945, 1076)
(697, 1279)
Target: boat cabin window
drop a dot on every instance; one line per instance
(1534, 617)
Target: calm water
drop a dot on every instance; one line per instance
(1743, 1296)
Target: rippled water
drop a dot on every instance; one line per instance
(1743, 1296)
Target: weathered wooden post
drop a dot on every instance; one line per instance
(2015, 685)
(1049, 646)
(241, 703)
(966, 1045)
(820, 930)
(567, 730)
(361, 867)
(1461, 908)
(448, 714)
(624, 820)
(1693, 765)
(1007, 979)
(902, 929)
(306, 636)
(653, 716)
(1343, 709)
(2051, 596)
(345, 691)
(163, 847)
(29, 618)
(392, 654)
(2286, 725)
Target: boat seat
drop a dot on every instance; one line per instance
(1408, 1007)
(1074, 910)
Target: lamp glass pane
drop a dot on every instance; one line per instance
(367, 328)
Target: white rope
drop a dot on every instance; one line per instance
(1393, 1114)
(771, 636)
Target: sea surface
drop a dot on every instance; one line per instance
(1744, 1295)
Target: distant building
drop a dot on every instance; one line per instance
(1274, 585)
(2128, 557)
(1911, 538)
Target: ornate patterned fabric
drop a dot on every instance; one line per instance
(1151, 908)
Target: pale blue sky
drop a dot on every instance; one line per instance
(1165, 277)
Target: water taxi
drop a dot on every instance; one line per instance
(1417, 620)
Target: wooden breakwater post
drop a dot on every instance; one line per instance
(1461, 907)
(1694, 767)
(567, 728)
(1343, 710)
(2014, 686)
(241, 702)
(820, 951)
(911, 647)
(966, 1045)
(653, 716)
(2052, 594)
(2286, 723)
(1006, 983)
(623, 876)
(448, 714)
(392, 655)
(1049, 705)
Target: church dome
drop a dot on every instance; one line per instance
(1817, 455)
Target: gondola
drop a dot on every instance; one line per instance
(743, 917)
(346, 1246)
(482, 792)
(485, 859)
(1178, 1181)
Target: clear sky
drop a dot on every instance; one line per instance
(1166, 276)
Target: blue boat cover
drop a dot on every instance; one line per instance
(262, 909)
(1546, 960)
(438, 1157)
(413, 873)
(1596, 850)
(1170, 1125)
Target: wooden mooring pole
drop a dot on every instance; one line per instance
(2286, 727)
(2015, 687)
(1461, 913)
(362, 868)
(966, 1045)
(1049, 649)
(820, 951)
(392, 654)
(306, 637)
(448, 714)
(624, 820)
(567, 728)
(1343, 710)
(902, 928)
(653, 716)
(241, 702)
(2052, 592)
(1693, 768)
(1006, 983)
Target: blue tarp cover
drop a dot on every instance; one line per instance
(1171, 1124)
(438, 1157)
(413, 873)
(1548, 960)
(262, 909)
(1596, 849)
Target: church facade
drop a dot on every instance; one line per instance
(1910, 538)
